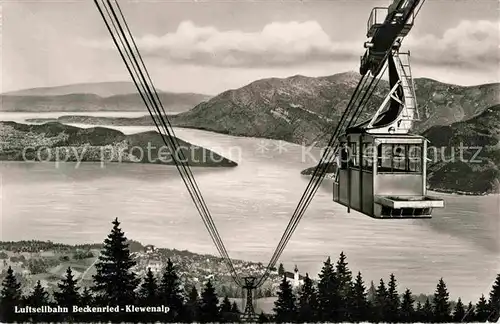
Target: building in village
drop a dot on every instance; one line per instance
(295, 278)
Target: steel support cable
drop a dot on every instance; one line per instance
(322, 167)
(213, 230)
(320, 179)
(370, 89)
(205, 221)
(366, 97)
(324, 157)
(136, 83)
(292, 223)
(360, 109)
(217, 243)
(166, 119)
(387, 54)
(142, 85)
(418, 10)
(316, 180)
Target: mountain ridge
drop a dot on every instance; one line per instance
(172, 102)
(304, 110)
(299, 109)
(101, 89)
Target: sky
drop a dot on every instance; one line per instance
(211, 46)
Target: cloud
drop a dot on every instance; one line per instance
(470, 44)
(277, 44)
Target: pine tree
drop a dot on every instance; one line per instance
(67, 294)
(115, 281)
(262, 318)
(225, 309)
(328, 293)
(38, 297)
(482, 310)
(344, 276)
(494, 301)
(392, 300)
(418, 313)
(86, 299)
(359, 306)
(427, 312)
(441, 304)
(234, 308)
(459, 311)
(148, 292)
(209, 309)
(171, 293)
(407, 312)
(308, 301)
(281, 270)
(284, 307)
(9, 298)
(380, 304)
(192, 306)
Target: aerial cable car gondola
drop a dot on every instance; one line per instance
(381, 167)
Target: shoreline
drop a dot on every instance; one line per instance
(124, 122)
(5, 161)
(329, 176)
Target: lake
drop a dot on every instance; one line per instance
(251, 205)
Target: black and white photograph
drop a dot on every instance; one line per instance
(263, 161)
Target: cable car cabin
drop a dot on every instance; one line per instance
(381, 167)
(384, 176)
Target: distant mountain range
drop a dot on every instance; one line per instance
(303, 109)
(105, 96)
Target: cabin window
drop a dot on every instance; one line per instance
(354, 156)
(399, 158)
(384, 158)
(415, 158)
(368, 156)
(344, 156)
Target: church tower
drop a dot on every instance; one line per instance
(296, 277)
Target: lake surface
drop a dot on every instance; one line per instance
(251, 205)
